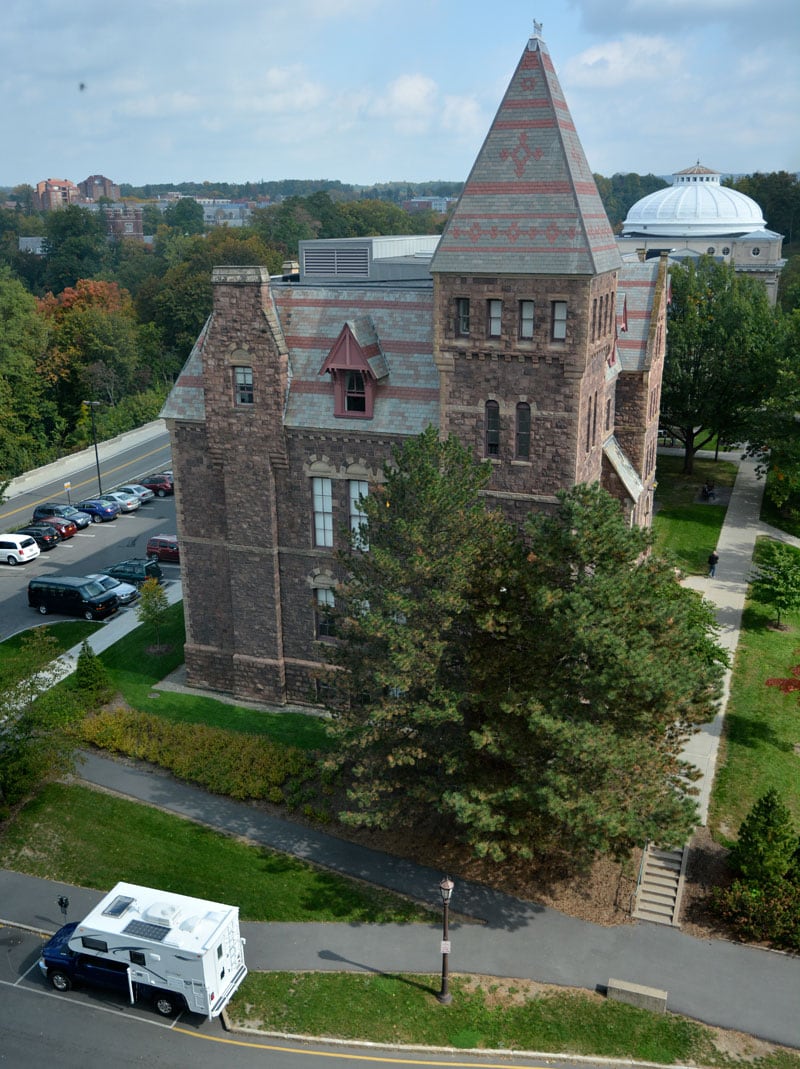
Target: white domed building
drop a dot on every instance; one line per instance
(697, 215)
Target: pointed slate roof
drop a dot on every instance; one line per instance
(530, 205)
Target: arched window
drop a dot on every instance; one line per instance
(522, 445)
(492, 422)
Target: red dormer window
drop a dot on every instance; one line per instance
(353, 378)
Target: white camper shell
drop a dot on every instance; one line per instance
(171, 941)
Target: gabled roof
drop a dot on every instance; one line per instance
(357, 347)
(530, 205)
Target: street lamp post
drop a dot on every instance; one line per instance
(446, 890)
(92, 405)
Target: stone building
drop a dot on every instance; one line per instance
(521, 332)
(697, 216)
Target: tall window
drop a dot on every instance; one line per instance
(523, 432)
(359, 488)
(492, 429)
(558, 320)
(526, 319)
(355, 392)
(594, 318)
(324, 616)
(462, 316)
(494, 318)
(323, 512)
(243, 385)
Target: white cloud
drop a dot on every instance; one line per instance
(614, 64)
(410, 103)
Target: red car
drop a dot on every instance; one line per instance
(164, 547)
(160, 483)
(66, 528)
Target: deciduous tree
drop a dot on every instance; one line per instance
(721, 354)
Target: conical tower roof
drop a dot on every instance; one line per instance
(530, 205)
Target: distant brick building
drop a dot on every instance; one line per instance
(52, 193)
(96, 186)
(523, 334)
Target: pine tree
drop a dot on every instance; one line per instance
(526, 694)
(91, 678)
(767, 842)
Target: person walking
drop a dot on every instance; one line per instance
(713, 560)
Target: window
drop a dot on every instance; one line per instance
(526, 319)
(91, 942)
(594, 319)
(324, 616)
(558, 320)
(243, 385)
(523, 432)
(355, 393)
(494, 318)
(608, 414)
(137, 957)
(323, 512)
(462, 316)
(492, 429)
(359, 488)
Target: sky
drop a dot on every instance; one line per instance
(368, 91)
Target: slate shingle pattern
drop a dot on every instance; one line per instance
(637, 289)
(530, 204)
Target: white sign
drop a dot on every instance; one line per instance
(445, 946)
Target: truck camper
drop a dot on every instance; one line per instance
(177, 951)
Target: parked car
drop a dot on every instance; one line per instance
(159, 483)
(126, 502)
(135, 570)
(44, 534)
(69, 512)
(72, 595)
(66, 528)
(142, 492)
(17, 548)
(164, 547)
(100, 509)
(126, 592)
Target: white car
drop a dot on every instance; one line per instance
(144, 493)
(126, 502)
(18, 548)
(126, 593)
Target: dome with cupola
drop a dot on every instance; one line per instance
(695, 203)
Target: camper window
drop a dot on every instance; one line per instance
(137, 957)
(91, 943)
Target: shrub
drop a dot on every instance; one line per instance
(91, 678)
(232, 763)
(769, 915)
(767, 842)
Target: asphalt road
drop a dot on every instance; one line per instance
(84, 1029)
(98, 545)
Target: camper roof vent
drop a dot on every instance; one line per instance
(118, 906)
(162, 913)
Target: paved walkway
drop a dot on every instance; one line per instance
(721, 983)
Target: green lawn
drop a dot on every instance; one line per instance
(484, 1013)
(762, 724)
(134, 670)
(92, 839)
(685, 529)
(67, 634)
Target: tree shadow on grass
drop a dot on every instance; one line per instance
(753, 733)
(331, 955)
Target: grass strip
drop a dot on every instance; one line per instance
(67, 634)
(686, 529)
(485, 1013)
(92, 839)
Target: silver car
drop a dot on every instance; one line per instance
(126, 502)
(144, 493)
(126, 593)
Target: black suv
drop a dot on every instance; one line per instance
(135, 570)
(45, 536)
(67, 512)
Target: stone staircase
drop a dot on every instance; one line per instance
(658, 894)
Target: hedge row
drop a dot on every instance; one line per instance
(232, 763)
